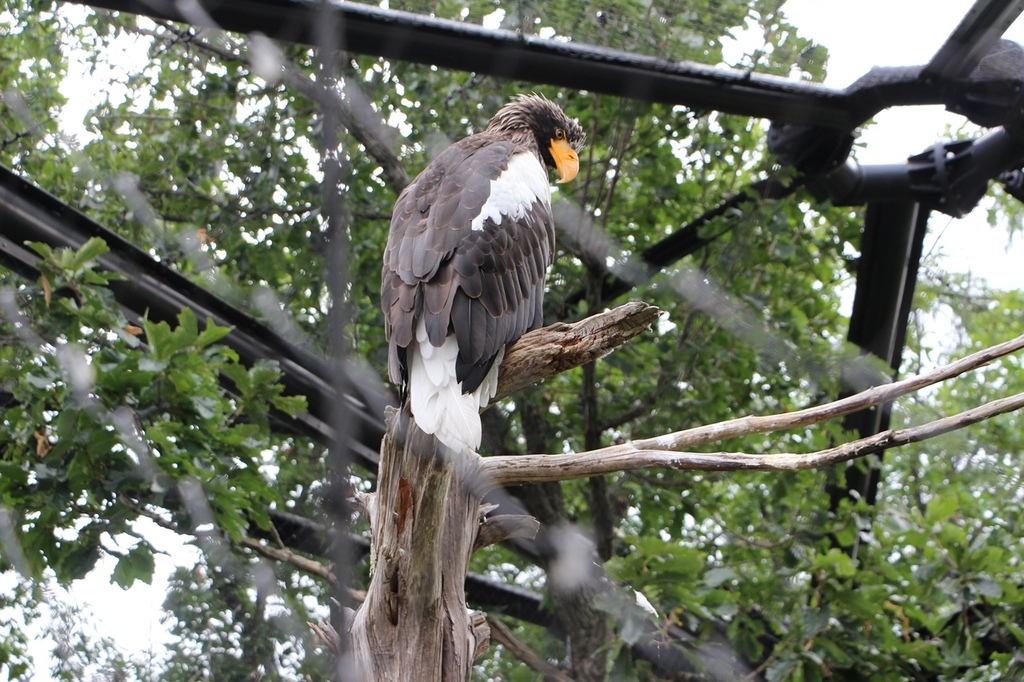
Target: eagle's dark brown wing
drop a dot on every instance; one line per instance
(484, 285)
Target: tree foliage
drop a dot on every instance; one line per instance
(196, 154)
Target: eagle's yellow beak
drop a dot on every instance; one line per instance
(567, 162)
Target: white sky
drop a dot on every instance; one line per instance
(858, 35)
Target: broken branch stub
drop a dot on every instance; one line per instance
(559, 347)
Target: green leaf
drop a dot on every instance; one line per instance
(846, 535)
(716, 576)
(986, 587)
(239, 375)
(100, 279)
(137, 564)
(44, 250)
(165, 342)
(78, 560)
(291, 405)
(952, 536)
(211, 334)
(12, 475)
(837, 562)
(782, 669)
(1016, 630)
(89, 251)
(941, 507)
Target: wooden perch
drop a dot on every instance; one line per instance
(426, 516)
(560, 347)
(665, 451)
(426, 519)
(627, 457)
(876, 395)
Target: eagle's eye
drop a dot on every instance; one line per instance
(559, 134)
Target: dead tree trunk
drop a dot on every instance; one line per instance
(414, 623)
(425, 520)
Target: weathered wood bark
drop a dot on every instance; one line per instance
(426, 520)
(414, 623)
(560, 347)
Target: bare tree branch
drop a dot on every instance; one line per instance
(296, 560)
(560, 347)
(503, 636)
(665, 451)
(501, 527)
(517, 470)
(870, 397)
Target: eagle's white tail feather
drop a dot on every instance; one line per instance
(436, 398)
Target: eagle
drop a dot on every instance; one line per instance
(470, 243)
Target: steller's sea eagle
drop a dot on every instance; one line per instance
(470, 244)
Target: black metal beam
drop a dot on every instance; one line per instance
(886, 277)
(467, 47)
(972, 39)
(951, 177)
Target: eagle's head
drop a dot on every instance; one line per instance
(558, 138)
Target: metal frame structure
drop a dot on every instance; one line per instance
(812, 131)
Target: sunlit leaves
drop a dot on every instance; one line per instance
(68, 459)
(136, 564)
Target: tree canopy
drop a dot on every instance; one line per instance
(207, 154)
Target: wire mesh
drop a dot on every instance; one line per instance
(264, 171)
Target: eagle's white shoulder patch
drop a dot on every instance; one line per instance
(523, 184)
